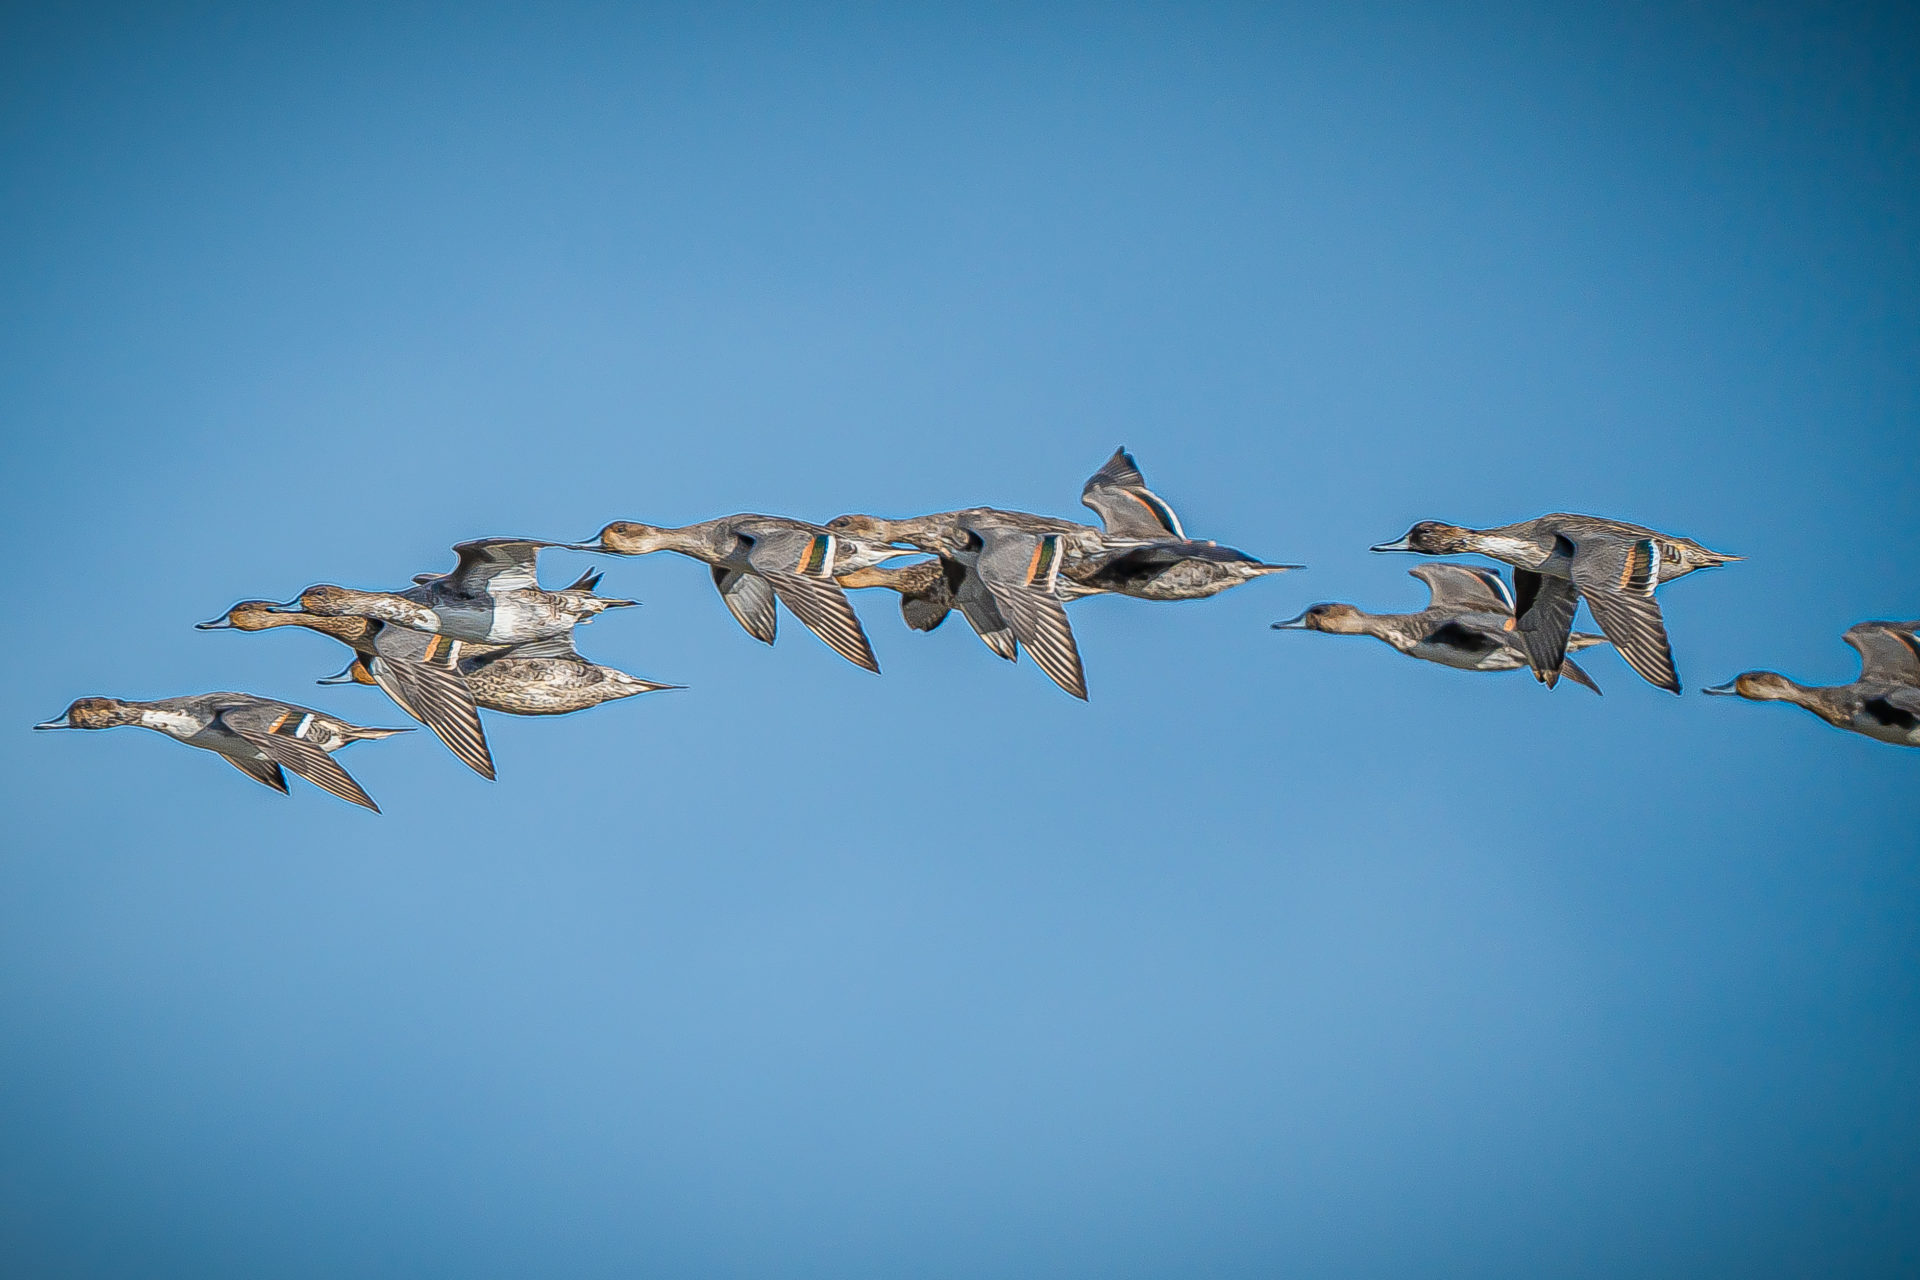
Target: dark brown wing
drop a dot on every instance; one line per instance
(278, 740)
(1545, 618)
(1617, 578)
(1578, 674)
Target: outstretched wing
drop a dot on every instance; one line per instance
(1543, 619)
(1888, 651)
(1118, 493)
(277, 732)
(1464, 586)
(749, 598)
(260, 771)
(1018, 569)
(421, 672)
(1617, 578)
(490, 566)
(798, 564)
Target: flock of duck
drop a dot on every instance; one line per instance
(487, 635)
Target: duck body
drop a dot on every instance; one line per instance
(418, 670)
(1001, 572)
(491, 597)
(256, 735)
(1467, 625)
(1166, 570)
(1562, 558)
(1883, 703)
(758, 561)
(1149, 555)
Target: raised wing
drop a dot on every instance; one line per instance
(1464, 586)
(1018, 569)
(422, 673)
(277, 731)
(1544, 609)
(798, 564)
(749, 598)
(1617, 577)
(1888, 651)
(1118, 493)
(490, 566)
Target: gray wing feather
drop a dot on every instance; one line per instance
(750, 599)
(1019, 569)
(1617, 578)
(799, 567)
(421, 673)
(1886, 652)
(1118, 493)
(492, 565)
(305, 759)
(265, 771)
(1464, 586)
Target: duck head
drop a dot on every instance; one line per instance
(626, 538)
(1334, 619)
(1757, 686)
(248, 615)
(325, 601)
(1431, 538)
(94, 713)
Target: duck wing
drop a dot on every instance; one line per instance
(1018, 570)
(932, 591)
(1464, 586)
(1887, 652)
(1617, 577)
(750, 599)
(1543, 621)
(798, 565)
(1118, 493)
(265, 771)
(421, 672)
(276, 730)
(492, 566)
(1578, 674)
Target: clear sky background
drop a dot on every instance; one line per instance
(1284, 956)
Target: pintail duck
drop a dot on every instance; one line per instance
(1882, 704)
(1466, 624)
(257, 736)
(756, 561)
(1170, 566)
(1560, 559)
(418, 671)
(492, 597)
(1001, 570)
(545, 678)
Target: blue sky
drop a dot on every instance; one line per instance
(1284, 955)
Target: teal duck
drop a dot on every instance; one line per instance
(491, 597)
(1883, 703)
(258, 736)
(1465, 625)
(757, 560)
(1001, 570)
(418, 671)
(1560, 559)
